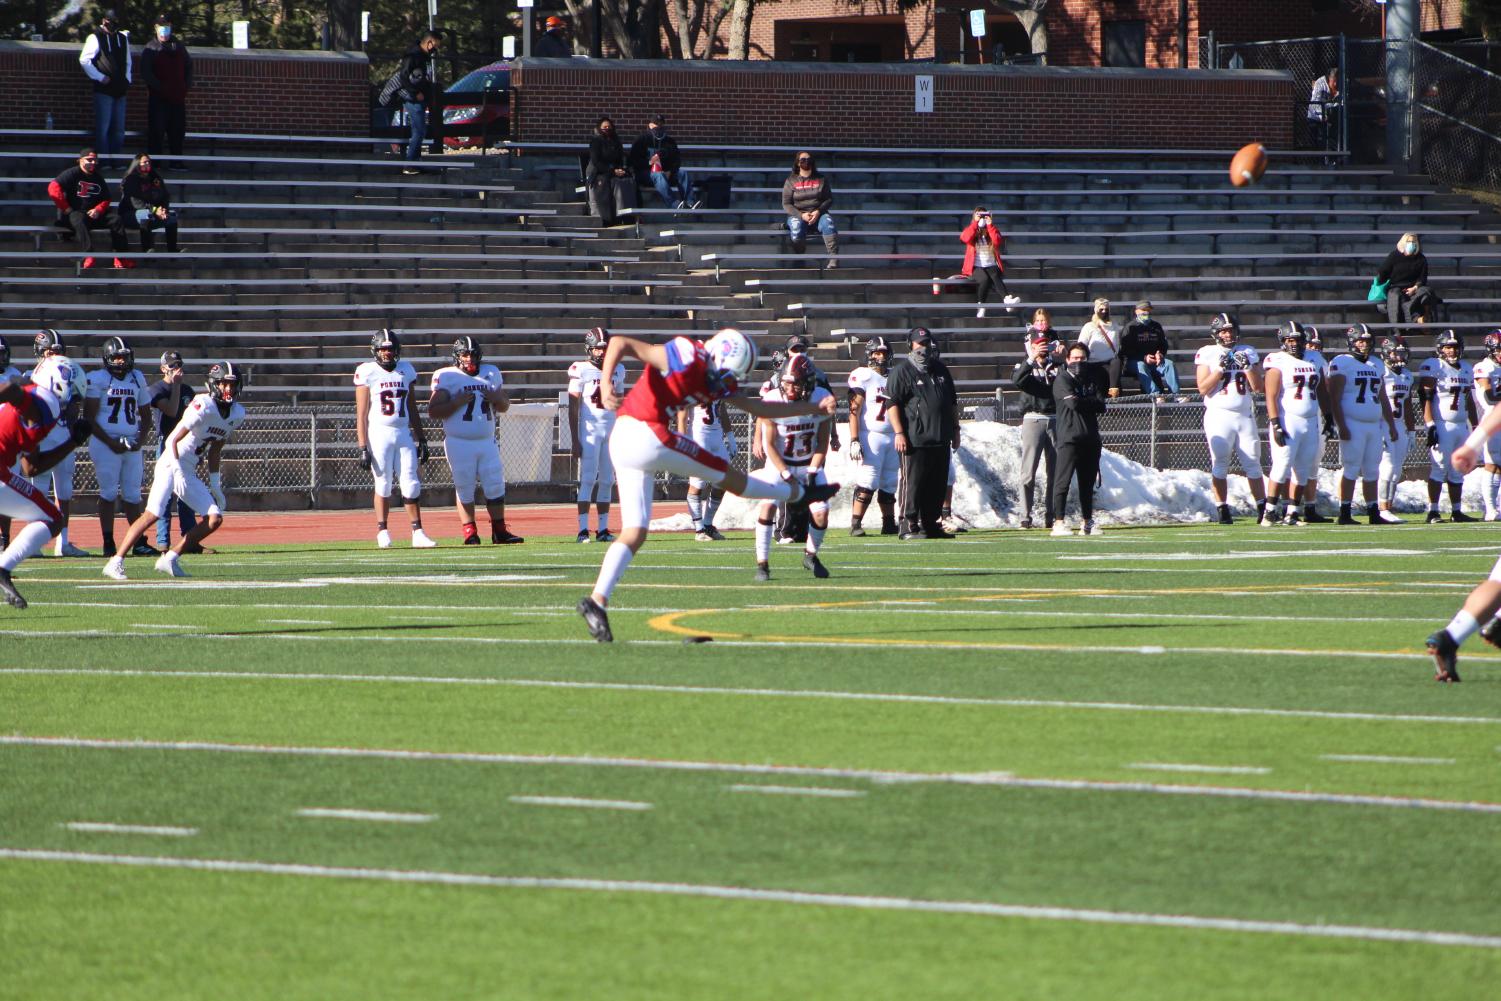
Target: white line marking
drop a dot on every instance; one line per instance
(380, 816)
(594, 804)
(1161, 766)
(941, 700)
(161, 625)
(299, 622)
(969, 907)
(90, 827)
(1385, 759)
(998, 779)
(800, 791)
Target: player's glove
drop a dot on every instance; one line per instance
(1243, 359)
(856, 456)
(367, 461)
(422, 453)
(1279, 433)
(834, 439)
(80, 433)
(216, 490)
(1227, 361)
(1431, 435)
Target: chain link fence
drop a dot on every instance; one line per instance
(1457, 117)
(1306, 59)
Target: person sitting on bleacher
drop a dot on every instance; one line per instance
(1405, 271)
(611, 187)
(82, 199)
(807, 198)
(1143, 352)
(143, 194)
(656, 159)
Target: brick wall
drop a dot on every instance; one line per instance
(233, 90)
(788, 103)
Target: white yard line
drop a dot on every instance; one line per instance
(299, 622)
(574, 801)
(780, 896)
(1167, 766)
(92, 827)
(1385, 759)
(780, 693)
(993, 779)
(380, 816)
(800, 791)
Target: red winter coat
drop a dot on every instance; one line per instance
(971, 236)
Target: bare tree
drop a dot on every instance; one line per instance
(1029, 13)
(740, 22)
(344, 24)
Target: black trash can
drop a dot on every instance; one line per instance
(715, 191)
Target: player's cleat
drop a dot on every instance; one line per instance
(596, 619)
(1461, 516)
(815, 492)
(1225, 518)
(1445, 653)
(1345, 519)
(889, 528)
(1060, 529)
(603, 535)
(1026, 522)
(1389, 518)
(144, 548)
(503, 537)
(471, 540)
(713, 533)
(763, 571)
(583, 536)
(1291, 519)
(383, 539)
(1314, 518)
(68, 549)
(168, 564)
(940, 533)
(910, 536)
(1268, 519)
(114, 568)
(1491, 632)
(12, 596)
(702, 536)
(856, 532)
(421, 541)
(813, 563)
(1434, 518)
(1090, 528)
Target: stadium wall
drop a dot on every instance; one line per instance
(783, 104)
(234, 90)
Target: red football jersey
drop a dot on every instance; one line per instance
(687, 382)
(24, 425)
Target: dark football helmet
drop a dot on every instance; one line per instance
(382, 340)
(118, 358)
(595, 342)
(225, 380)
(1449, 339)
(48, 342)
(1315, 339)
(1394, 352)
(463, 347)
(872, 347)
(1493, 344)
(1293, 337)
(1224, 330)
(797, 377)
(1358, 339)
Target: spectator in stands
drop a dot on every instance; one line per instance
(1103, 341)
(807, 198)
(1143, 352)
(167, 69)
(608, 176)
(655, 158)
(1406, 272)
(82, 199)
(106, 61)
(982, 259)
(171, 397)
(924, 416)
(1322, 109)
(1034, 377)
(1079, 393)
(143, 197)
(415, 83)
(554, 42)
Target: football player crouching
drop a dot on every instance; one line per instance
(210, 419)
(466, 396)
(796, 449)
(872, 443)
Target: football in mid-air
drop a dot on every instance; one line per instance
(1248, 164)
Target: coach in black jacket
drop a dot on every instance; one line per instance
(1079, 393)
(924, 415)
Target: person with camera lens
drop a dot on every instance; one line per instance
(1034, 377)
(982, 259)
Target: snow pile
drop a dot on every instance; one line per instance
(987, 490)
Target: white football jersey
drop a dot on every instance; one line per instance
(797, 437)
(1300, 383)
(1451, 384)
(706, 426)
(120, 401)
(1235, 391)
(202, 425)
(1360, 397)
(475, 420)
(584, 378)
(1486, 369)
(868, 381)
(1398, 387)
(390, 392)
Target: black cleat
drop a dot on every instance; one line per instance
(1314, 518)
(763, 572)
(109, 550)
(815, 492)
(914, 536)
(1434, 518)
(1461, 516)
(144, 548)
(1491, 632)
(889, 528)
(1225, 518)
(1445, 654)
(1346, 519)
(856, 532)
(595, 617)
(813, 563)
(12, 596)
(472, 540)
(503, 537)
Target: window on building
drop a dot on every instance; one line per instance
(1125, 43)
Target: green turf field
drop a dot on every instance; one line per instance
(1180, 762)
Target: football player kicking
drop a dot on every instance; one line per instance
(1396, 383)
(1484, 602)
(210, 419)
(28, 415)
(872, 443)
(796, 449)
(1295, 392)
(1228, 377)
(1363, 420)
(680, 373)
(1447, 382)
(389, 432)
(1487, 398)
(466, 396)
(117, 397)
(591, 424)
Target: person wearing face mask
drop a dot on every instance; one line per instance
(807, 198)
(414, 86)
(1405, 271)
(1102, 339)
(1034, 377)
(610, 185)
(554, 42)
(144, 198)
(982, 259)
(1143, 352)
(106, 61)
(167, 69)
(1079, 393)
(655, 158)
(924, 412)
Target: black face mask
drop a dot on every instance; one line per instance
(1075, 368)
(923, 355)
(655, 133)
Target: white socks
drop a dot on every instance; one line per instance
(617, 558)
(763, 541)
(26, 544)
(696, 510)
(1462, 626)
(815, 538)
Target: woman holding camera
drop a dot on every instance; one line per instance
(1079, 392)
(1034, 377)
(982, 258)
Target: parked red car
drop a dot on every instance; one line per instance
(491, 117)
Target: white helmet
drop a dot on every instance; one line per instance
(731, 353)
